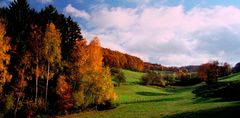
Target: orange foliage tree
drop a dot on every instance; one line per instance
(64, 92)
(209, 72)
(120, 60)
(93, 82)
(4, 57)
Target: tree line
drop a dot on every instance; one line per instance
(158, 67)
(46, 66)
(120, 60)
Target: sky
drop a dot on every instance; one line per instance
(167, 32)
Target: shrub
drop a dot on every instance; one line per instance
(119, 76)
(153, 78)
(190, 79)
(6, 105)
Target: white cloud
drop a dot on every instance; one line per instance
(69, 9)
(169, 35)
(45, 1)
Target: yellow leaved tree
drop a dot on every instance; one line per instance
(94, 85)
(51, 51)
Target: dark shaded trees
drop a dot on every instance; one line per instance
(119, 76)
(35, 42)
(236, 68)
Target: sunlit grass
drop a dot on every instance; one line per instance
(138, 101)
(231, 77)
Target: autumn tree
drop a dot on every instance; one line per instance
(209, 72)
(51, 52)
(23, 75)
(93, 82)
(69, 29)
(64, 92)
(224, 69)
(95, 55)
(34, 44)
(183, 74)
(4, 57)
(120, 60)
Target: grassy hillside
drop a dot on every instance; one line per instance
(232, 77)
(132, 77)
(138, 101)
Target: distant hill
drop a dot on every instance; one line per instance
(159, 67)
(190, 68)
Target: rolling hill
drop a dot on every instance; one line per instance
(138, 101)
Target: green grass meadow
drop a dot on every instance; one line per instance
(138, 101)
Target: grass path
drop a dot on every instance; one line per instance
(137, 101)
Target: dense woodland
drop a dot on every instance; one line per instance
(120, 60)
(47, 67)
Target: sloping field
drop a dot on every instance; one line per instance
(138, 101)
(232, 77)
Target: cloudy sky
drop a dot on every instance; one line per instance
(168, 32)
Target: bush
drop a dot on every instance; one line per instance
(191, 79)
(7, 103)
(115, 71)
(153, 78)
(119, 76)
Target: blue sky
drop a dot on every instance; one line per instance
(169, 32)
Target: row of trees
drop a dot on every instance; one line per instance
(162, 78)
(120, 60)
(46, 66)
(158, 67)
(209, 72)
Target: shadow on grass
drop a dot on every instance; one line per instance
(137, 101)
(179, 89)
(151, 93)
(207, 100)
(222, 112)
(227, 91)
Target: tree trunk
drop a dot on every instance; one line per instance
(48, 75)
(37, 72)
(16, 107)
(20, 94)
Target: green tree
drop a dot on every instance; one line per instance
(119, 76)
